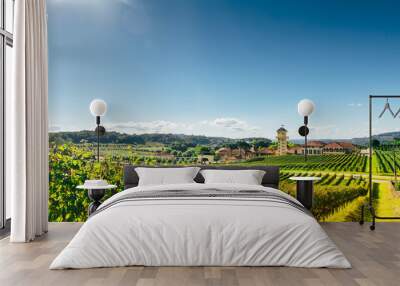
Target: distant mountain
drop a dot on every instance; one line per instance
(361, 141)
(122, 138)
(301, 141)
(383, 137)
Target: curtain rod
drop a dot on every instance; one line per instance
(384, 96)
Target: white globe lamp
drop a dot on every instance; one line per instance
(305, 107)
(98, 108)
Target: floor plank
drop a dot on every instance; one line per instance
(375, 257)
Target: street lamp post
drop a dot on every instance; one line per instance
(98, 108)
(305, 107)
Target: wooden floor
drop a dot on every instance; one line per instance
(375, 257)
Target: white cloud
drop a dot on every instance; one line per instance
(69, 128)
(324, 131)
(231, 123)
(158, 126)
(54, 128)
(355, 104)
(334, 131)
(226, 127)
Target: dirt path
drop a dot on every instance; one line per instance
(388, 204)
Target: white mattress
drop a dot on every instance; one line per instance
(200, 232)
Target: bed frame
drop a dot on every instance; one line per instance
(270, 179)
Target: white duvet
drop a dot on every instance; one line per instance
(200, 231)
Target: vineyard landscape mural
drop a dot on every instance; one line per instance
(195, 87)
(338, 195)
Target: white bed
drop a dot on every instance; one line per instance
(200, 231)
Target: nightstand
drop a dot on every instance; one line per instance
(95, 193)
(305, 190)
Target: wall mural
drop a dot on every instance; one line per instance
(218, 82)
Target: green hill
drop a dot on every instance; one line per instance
(140, 139)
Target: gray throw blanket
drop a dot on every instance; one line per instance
(206, 194)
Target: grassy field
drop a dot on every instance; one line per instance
(388, 200)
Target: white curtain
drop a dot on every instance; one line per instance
(28, 149)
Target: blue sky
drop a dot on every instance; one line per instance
(222, 68)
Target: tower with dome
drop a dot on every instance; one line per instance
(282, 141)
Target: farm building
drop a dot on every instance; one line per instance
(205, 159)
(227, 154)
(265, 151)
(296, 150)
(333, 148)
(224, 152)
(339, 148)
(314, 148)
(365, 152)
(321, 148)
(348, 147)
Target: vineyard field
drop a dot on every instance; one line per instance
(350, 163)
(332, 194)
(338, 195)
(337, 163)
(384, 162)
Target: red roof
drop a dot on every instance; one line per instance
(333, 145)
(346, 144)
(296, 147)
(223, 150)
(266, 151)
(315, 144)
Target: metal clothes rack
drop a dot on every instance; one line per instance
(369, 205)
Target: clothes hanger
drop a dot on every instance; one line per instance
(397, 113)
(387, 107)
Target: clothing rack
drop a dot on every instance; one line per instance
(369, 205)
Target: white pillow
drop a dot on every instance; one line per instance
(248, 177)
(166, 176)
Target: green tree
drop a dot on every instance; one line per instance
(258, 144)
(189, 153)
(376, 143)
(203, 150)
(243, 145)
